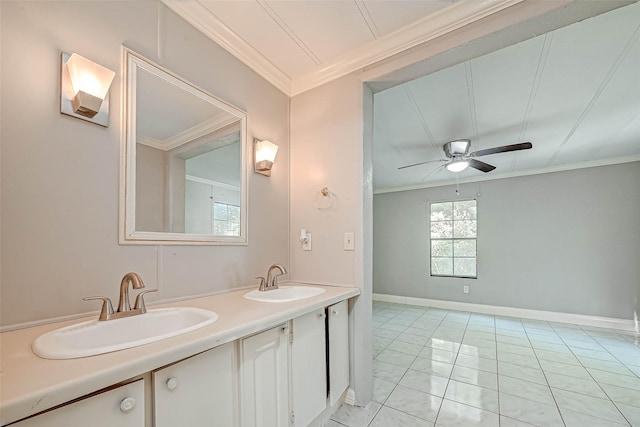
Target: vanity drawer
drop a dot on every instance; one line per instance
(121, 406)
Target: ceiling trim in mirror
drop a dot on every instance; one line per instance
(207, 125)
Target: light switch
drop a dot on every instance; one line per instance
(348, 241)
(306, 244)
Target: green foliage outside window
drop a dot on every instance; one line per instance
(226, 219)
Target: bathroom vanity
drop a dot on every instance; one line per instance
(259, 364)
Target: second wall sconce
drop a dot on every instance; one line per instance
(84, 89)
(264, 154)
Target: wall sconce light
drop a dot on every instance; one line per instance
(264, 155)
(84, 89)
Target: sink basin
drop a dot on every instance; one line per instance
(284, 294)
(96, 337)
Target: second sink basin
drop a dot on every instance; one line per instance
(284, 294)
(97, 337)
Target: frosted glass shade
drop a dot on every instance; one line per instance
(457, 166)
(84, 91)
(265, 154)
(88, 77)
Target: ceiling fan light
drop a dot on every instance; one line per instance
(458, 166)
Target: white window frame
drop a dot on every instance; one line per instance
(453, 240)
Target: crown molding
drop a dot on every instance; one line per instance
(187, 135)
(201, 129)
(514, 174)
(150, 141)
(211, 182)
(208, 24)
(428, 28)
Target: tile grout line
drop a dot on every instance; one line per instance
(544, 373)
(444, 393)
(618, 336)
(394, 387)
(423, 347)
(603, 339)
(495, 334)
(593, 378)
(406, 371)
(598, 383)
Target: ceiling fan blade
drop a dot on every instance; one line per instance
(481, 166)
(503, 149)
(421, 163)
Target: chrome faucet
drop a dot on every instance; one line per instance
(124, 305)
(136, 283)
(271, 281)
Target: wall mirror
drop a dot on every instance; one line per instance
(183, 168)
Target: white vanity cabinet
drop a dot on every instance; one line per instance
(284, 370)
(121, 406)
(264, 379)
(308, 367)
(282, 376)
(197, 392)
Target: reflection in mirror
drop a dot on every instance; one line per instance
(184, 155)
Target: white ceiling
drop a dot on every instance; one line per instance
(300, 44)
(573, 92)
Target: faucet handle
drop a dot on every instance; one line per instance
(262, 283)
(107, 307)
(139, 304)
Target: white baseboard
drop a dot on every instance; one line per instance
(550, 316)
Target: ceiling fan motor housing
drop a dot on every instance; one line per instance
(457, 148)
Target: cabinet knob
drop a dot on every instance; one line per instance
(127, 404)
(172, 383)
(335, 312)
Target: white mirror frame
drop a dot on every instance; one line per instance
(128, 234)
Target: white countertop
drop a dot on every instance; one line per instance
(29, 384)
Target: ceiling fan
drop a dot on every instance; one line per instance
(459, 158)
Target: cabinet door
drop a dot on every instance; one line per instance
(308, 367)
(338, 350)
(122, 406)
(197, 392)
(265, 379)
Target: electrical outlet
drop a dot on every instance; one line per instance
(348, 241)
(465, 289)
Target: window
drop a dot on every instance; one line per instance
(226, 219)
(453, 238)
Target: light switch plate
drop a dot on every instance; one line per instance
(465, 289)
(348, 241)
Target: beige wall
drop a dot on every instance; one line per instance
(326, 151)
(59, 175)
(150, 188)
(327, 134)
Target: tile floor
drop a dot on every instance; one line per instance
(451, 368)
